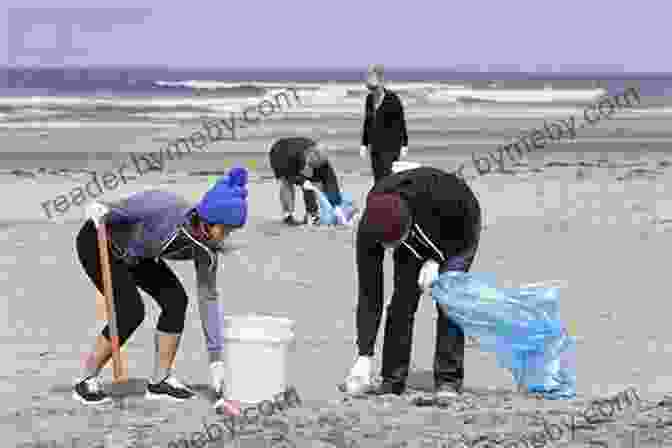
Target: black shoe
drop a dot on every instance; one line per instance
(386, 388)
(169, 388)
(290, 221)
(90, 391)
(446, 393)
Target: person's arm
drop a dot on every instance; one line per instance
(367, 121)
(402, 123)
(210, 304)
(327, 176)
(459, 231)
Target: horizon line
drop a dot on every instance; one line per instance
(388, 68)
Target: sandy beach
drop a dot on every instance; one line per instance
(594, 214)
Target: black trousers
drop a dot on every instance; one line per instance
(381, 163)
(310, 201)
(397, 345)
(155, 278)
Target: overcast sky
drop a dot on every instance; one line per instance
(625, 35)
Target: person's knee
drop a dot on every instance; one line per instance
(136, 316)
(181, 302)
(285, 186)
(286, 194)
(404, 307)
(172, 318)
(129, 321)
(178, 306)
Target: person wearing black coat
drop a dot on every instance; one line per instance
(432, 221)
(384, 136)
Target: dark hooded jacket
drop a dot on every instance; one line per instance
(446, 224)
(384, 128)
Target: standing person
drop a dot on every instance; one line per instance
(384, 136)
(145, 229)
(432, 221)
(301, 161)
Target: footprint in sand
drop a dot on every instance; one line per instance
(8, 260)
(48, 260)
(606, 315)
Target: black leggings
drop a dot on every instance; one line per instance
(153, 277)
(310, 201)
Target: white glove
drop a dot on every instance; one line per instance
(308, 185)
(218, 372)
(96, 211)
(428, 274)
(362, 151)
(404, 151)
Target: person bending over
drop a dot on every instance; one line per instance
(145, 229)
(432, 221)
(300, 161)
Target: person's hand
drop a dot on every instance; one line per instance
(363, 150)
(308, 185)
(217, 373)
(429, 273)
(96, 211)
(404, 151)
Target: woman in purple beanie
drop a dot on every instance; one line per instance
(144, 230)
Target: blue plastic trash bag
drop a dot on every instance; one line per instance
(327, 215)
(521, 326)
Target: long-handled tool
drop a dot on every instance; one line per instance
(109, 300)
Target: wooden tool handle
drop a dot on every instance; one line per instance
(109, 300)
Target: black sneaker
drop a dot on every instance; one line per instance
(386, 388)
(445, 394)
(290, 221)
(90, 391)
(169, 388)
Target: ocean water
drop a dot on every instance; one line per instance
(157, 97)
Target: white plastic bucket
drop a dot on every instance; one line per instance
(256, 349)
